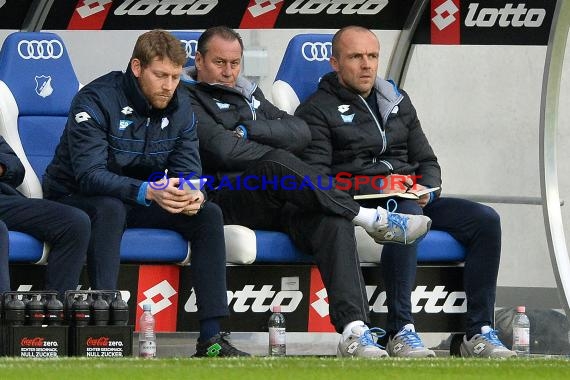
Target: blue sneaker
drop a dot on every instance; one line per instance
(485, 345)
(407, 344)
(393, 227)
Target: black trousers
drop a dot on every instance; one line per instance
(319, 222)
(205, 232)
(66, 229)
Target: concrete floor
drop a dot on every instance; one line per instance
(298, 343)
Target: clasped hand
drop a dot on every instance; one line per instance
(175, 200)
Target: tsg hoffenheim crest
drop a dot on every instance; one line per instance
(43, 86)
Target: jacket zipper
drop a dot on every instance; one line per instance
(386, 122)
(250, 104)
(253, 114)
(389, 165)
(382, 133)
(147, 142)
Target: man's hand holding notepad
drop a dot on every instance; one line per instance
(408, 194)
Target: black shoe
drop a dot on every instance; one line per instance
(217, 346)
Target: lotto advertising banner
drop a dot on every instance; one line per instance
(13, 13)
(486, 22)
(449, 22)
(252, 290)
(242, 14)
(438, 300)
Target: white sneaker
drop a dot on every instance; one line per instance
(362, 343)
(393, 227)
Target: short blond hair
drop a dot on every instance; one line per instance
(158, 43)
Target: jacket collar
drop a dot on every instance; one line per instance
(384, 89)
(387, 93)
(244, 87)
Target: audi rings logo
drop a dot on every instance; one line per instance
(316, 51)
(190, 46)
(43, 49)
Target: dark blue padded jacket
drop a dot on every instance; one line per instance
(114, 141)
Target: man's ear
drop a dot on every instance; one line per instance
(334, 63)
(198, 60)
(136, 67)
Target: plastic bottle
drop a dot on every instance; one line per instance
(99, 311)
(54, 311)
(147, 336)
(35, 311)
(277, 333)
(80, 311)
(521, 333)
(14, 311)
(119, 311)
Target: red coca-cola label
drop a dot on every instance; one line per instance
(102, 341)
(32, 342)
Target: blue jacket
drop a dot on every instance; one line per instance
(114, 141)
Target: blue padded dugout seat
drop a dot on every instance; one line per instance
(189, 41)
(25, 248)
(305, 61)
(440, 247)
(36, 88)
(277, 247)
(436, 247)
(34, 94)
